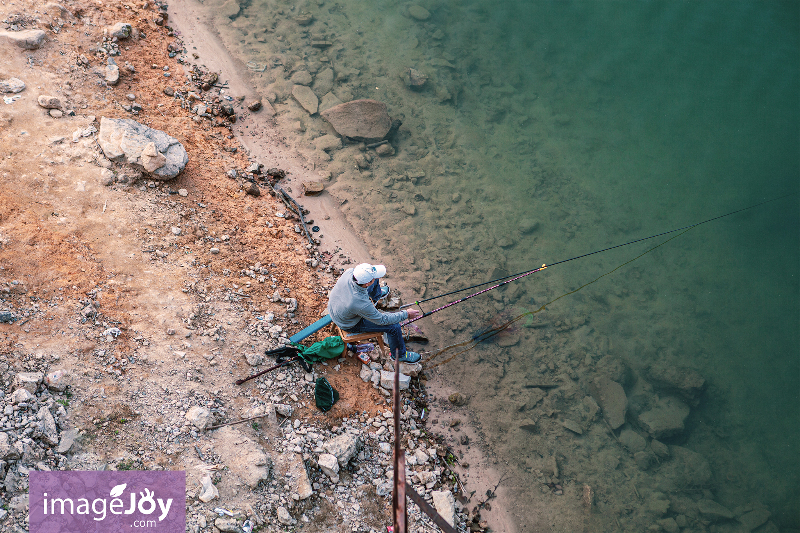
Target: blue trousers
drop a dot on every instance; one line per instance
(397, 345)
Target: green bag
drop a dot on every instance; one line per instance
(325, 395)
(325, 349)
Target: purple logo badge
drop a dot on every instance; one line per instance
(131, 500)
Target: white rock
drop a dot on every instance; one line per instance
(284, 517)
(26, 39)
(254, 359)
(12, 85)
(58, 380)
(22, 395)
(387, 380)
(445, 505)
(329, 466)
(28, 381)
(47, 426)
(198, 416)
(306, 98)
(343, 446)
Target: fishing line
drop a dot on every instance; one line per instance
(519, 275)
(489, 333)
(485, 335)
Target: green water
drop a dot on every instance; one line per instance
(548, 130)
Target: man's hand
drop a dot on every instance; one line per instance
(414, 313)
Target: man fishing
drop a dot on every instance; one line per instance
(351, 306)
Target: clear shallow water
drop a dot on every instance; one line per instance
(597, 123)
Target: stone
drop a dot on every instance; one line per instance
(644, 459)
(28, 380)
(365, 374)
(362, 120)
(419, 12)
(49, 102)
(284, 517)
(293, 472)
(572, 426)
(445, 505)
(685, 382)
(328, 101)
(22, 396)
(230, 9)
(312, 188)
(306, 98)
(328, 142)
(252, 189)
(669, 525)
(254, 105)
(8, 452)
(343, 446)
(47, 430)
(301, 77)
(67, 441)
(687, 467)
(666, 419)
(411, 369)
(754, 519)
(208, 490)
(245, 458)
(612, 400)
(120, 30)
(659, 448)
(112, 74)
(124, 141)
(528, 225)
(26, 39)
(457, 399)
(227, 525)
(385, 150)
(55, 113)
(323, 81)
(253, 358)
(632, 440)
(329, 466)
(387, 380)
(152, 159)
(12, 85)
(713, 510)
(199, 417)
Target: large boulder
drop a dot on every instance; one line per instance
(362, 120)
(127, 141)
(611, 397)
(26, 39)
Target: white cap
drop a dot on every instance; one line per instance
(364, 273)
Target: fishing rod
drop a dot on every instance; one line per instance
(520, 275)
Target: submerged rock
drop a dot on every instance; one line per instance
(666, 419)
(611, 397)
(306, 98)
(362, 120)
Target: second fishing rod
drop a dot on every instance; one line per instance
(499, 282)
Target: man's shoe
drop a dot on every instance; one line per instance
(409, 357)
